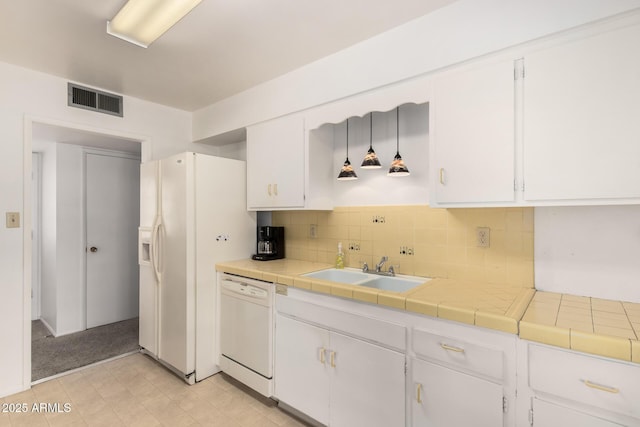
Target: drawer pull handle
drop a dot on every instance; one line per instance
(275, 189)
(322, 358)
(332, 359)
(442, 176)
(269, 189)
(601, 387)
(452, 348)
(419, 393)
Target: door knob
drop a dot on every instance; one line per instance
(93, 249)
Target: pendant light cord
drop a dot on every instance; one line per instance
(397, 130)
(347, 139)
(371, 130)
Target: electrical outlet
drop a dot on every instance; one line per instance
(483, 237)
(354, 246)
(377, 219)
(406, 250)
(313, 231)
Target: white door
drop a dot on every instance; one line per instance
(148, 326)
(367, 384)
(302, 367)
(176, 307)
(112, 217)
(473, 135)
(547, 414)
(581, 122)
(275, 163)
(35, 235)
(439, 394)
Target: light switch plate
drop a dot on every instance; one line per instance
(13, 219)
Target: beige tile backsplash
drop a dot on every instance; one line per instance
(442, 242)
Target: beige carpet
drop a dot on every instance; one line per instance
(51, 356)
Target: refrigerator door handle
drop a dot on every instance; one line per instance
(155, 250)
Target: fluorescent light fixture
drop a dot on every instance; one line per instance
(141, 22)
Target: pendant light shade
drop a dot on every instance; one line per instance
(347, 173)
(398, 168)
(371, 160)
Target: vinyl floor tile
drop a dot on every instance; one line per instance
(136, 391)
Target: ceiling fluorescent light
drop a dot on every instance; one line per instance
(141, 22)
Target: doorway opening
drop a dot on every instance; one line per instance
(85, 215)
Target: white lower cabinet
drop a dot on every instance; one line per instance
(444, 397)
(338, 380)
(545, 414)
(566, 387)
(302, 374)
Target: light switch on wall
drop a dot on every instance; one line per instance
(13, 219)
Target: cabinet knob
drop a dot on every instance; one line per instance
(93, 249)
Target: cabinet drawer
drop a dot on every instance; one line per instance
(459, 353)
(602, 383)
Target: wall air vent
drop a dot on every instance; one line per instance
(92, 99)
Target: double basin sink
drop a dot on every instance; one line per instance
(370, 280)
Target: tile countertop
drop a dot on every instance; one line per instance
(591, 325)
(490, 306)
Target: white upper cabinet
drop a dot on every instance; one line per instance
(275, 164)
(473, 135)
(582, 120)
(280, 174)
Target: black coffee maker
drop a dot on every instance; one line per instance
(270, 243)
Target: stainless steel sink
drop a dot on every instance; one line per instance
(359, 278)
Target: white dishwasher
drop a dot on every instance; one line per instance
(246, 331)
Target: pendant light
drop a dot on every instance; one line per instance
(398, 168)
(371, 160)
(347, 173)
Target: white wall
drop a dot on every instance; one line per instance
(461, 31)
(43, 97)
(589, 250)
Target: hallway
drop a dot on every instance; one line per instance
(51, 356)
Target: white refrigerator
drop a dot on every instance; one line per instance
(193, 214)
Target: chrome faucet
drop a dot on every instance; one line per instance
(378, 270)
(381, 263)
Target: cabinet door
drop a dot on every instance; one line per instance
(275, 164)
(367, 384)
(581, 122)
(301, 373)
(547, 414)
(473, 135)
(444, 397)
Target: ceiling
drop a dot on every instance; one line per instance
(221, 48)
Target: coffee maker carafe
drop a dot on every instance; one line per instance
(270, 243)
